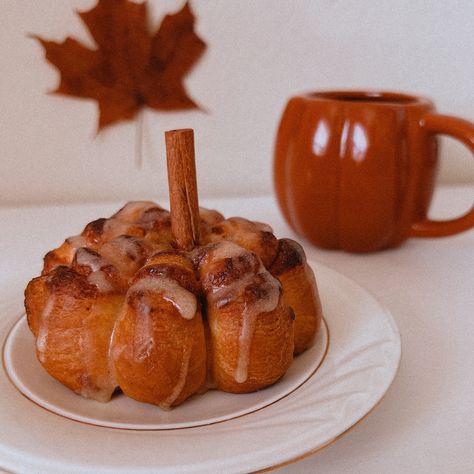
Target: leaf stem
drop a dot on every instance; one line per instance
(139, 126)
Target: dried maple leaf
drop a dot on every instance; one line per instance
(131, 68)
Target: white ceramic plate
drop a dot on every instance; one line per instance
(50, 429)
(27, 374)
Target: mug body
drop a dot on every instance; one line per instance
(354, 169)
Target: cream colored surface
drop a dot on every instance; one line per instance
(259, 54)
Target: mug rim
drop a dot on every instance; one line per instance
(377, 97)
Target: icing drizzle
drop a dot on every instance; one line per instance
(183, 300)
(269, 296)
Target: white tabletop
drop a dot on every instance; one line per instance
(425, 422)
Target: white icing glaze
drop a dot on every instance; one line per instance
(77, 241)
(144, 333)
(128, 247)
(100, 395)
(183, 300)
(246, 225)
(114, 227)
(227, 249)
(94, 385)
(210, 216)
(89, 259)
(241, 231)
(124, 253)
(95, 262)
(245, 341)
(149, 217)
(183, 375)
(145, 343)
(221, 295)
(99, 279)
(43, 329)
(86, 345)
(249, 319)
(133, 210)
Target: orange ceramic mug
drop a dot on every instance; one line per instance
(354, 170)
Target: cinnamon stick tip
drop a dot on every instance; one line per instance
(179, 131)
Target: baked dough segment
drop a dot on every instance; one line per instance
(158, 347)
(300, 291)
(250, 325)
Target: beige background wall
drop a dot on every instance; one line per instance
(260, 53)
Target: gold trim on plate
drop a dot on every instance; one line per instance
(313, 451)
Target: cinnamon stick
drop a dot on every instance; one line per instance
(182, 185)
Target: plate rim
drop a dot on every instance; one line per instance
(19, 320)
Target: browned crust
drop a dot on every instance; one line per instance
(175, 264)
(61, 256)
(290, 255)
(227, 270)
(66, 280)
(248, 235)
(36, 295)
(299, 291)
(94, 230)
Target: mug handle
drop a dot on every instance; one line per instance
(463, 131)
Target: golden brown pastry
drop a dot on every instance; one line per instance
(253, 236)
(72, 321)
(141, 219)
(250, 325)
(300, 291)
(119, 307)
(158, 346)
